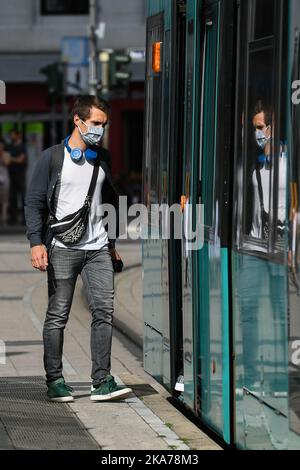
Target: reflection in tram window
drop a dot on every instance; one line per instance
(259, 142)
(260, 272)
(264, 130)
(263, 19)
(262, 124)
(261, 288)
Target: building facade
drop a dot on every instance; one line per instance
(31, 37)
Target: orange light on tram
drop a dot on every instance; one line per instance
(183, 201)
(156, 57)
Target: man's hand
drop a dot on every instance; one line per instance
(114, 254)
(18, 160)
(6, 158)
(116, 260)
(39, 257)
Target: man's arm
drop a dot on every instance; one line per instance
(19, 160)
(36, 209)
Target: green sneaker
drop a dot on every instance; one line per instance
(59, 391)
(109, 390)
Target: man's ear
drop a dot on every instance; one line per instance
(76, 120)
(269, 131)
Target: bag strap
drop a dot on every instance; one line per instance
(56, 160)
(260, 191)
(93, 181)
(56, 164)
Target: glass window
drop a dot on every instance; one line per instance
(260, 280)
(259, 140)
(153, 117)
(263, 18)
(209, 114)
(64, 7)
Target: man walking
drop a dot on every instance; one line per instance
(61, 181)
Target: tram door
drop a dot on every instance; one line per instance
(188, 292)
(294, 258)
(205, 267)
(163, 355)
(173, 254)
(152, 248)
(265, 255)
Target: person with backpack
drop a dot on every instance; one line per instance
(68, 237)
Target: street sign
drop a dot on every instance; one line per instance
(75, 54)
(75, 50)
(77, 79)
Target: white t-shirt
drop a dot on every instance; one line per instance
(256, 231)
(74, 185)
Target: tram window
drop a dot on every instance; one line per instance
(208, 175)
(153, 119)
(259, 148)
(264, 19)
(64, 7)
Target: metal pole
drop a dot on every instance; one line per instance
(65, 110)
(53, 138)
(93, 48)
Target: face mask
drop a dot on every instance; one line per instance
(261, 138)
(93, 135)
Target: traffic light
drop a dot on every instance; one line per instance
(119, 76)
(54, 77)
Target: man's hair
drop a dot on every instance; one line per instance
(85, 103)
(261, 107)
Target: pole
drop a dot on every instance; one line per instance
(93, 48)
(65, 110)
(53, 122)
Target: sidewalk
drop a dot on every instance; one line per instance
(145, 421)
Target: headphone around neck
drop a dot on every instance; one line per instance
(77, 154)
(263, 159)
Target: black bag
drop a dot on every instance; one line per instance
(117, 265)
(71, 228)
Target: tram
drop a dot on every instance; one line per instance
(222, 132)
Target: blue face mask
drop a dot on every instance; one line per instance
(93, 136)
(261, 138)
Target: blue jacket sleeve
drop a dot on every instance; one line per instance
(36, 208)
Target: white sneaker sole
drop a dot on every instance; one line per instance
(112, 396)
(179, 387)
(61, 399)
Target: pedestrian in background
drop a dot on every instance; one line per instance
(5, 160)
(17, 175)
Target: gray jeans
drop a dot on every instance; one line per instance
(96, 270)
